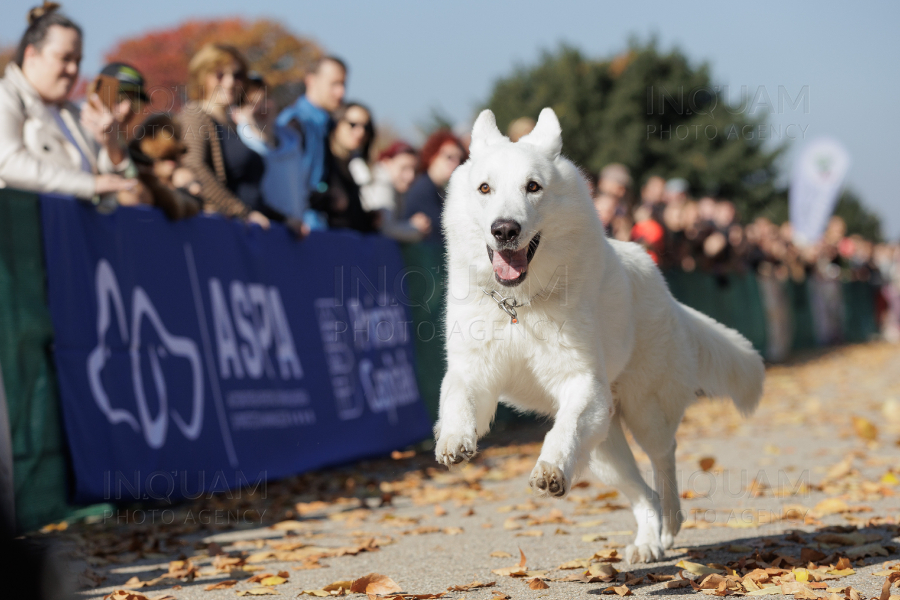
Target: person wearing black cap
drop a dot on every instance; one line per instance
(132, 97)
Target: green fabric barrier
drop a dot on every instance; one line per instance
(426, 285)
(39, 450)
(859, 311)
(801, 315)
(733, 300)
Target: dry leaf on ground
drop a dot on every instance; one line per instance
(374, 583)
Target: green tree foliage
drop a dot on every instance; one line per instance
(654, 112)
(858, 218)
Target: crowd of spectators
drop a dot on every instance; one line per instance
(707, 233)
(230, 151)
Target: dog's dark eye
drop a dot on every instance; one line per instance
(484, 188)
(533, 187)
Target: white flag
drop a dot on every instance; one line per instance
(815, 185)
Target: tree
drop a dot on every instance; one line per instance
(653, 112)
(858, 218)
(162, 56)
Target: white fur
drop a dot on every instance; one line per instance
(600, 341)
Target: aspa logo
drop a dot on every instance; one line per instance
(169, 347)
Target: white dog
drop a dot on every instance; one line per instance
(548, 315)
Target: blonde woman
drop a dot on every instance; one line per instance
(229, 172)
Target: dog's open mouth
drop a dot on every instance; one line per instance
(511, 266)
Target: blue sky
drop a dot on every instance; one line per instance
(407, 57)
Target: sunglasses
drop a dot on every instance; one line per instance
(235, 74)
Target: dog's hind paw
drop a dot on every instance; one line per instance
(548, 480)
(644, 553)
(453, 449)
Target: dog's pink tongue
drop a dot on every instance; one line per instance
(509, 264)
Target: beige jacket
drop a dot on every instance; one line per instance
(35, 154)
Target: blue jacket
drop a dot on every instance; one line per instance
(315, 124)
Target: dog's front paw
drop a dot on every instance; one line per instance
(548, 480)
(454, 449)
(644, 553)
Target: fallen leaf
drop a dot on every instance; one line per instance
(338, 585)
(222, 585)
(373, 583)
(259, 591)
(578, 563)
(125, 595)
(707, 462)
(696, 568)
(537, 584)
(273, 580)
(865, 429)
(886, 587)
(501, 554)
(471, 586)
(830, 506)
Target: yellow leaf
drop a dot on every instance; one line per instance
(258, 591)
(320, 593)
(865, 429)
(889, 479)
(842, 572)
(697, 568)
(830, 506)
(273, 580)
(801, 575)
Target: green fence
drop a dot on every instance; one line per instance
(26, 338)
(41, 470)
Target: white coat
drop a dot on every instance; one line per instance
(35, 153)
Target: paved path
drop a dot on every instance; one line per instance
(816, 468)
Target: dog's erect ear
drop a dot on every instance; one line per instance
(546, 135)
(484, 133)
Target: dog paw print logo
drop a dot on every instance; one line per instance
(154, 428)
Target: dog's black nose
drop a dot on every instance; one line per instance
(505, 230)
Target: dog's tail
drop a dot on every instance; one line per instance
(727, 364)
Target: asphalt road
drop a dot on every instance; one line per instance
(822, 451)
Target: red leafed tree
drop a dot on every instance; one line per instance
(162, 56)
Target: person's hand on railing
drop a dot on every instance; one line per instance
(257, 218)
(297, 227)
(108, 184)
(421, 222)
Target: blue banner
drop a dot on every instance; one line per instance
(205, 354)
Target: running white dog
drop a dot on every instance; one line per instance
(548, 315)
